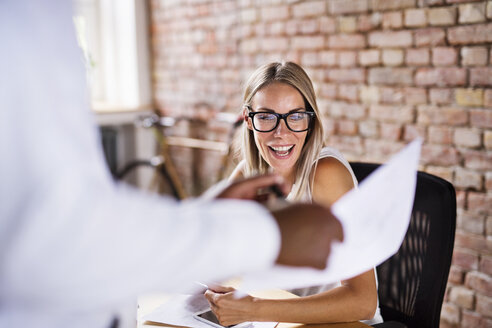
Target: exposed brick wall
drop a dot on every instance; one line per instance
(385, 72)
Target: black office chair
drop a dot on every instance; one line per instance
(411, 283)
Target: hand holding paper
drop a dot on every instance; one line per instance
(374, 217)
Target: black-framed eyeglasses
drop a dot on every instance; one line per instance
(267, 121)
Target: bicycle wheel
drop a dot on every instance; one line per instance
(148, 175)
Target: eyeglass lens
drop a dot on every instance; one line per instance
(297, 121)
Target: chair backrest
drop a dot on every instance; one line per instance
(411, 284)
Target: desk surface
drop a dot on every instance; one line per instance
(148, 303)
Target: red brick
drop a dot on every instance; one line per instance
(441, 115)
(349, 145)
(309, 9)
(249, 46)
(479, 160)
(381, 149)
(381, 5)
(274, 44)
(486, 264)
(466, 137)
(479, 202)
(444, 56)
(461, 296)
(470, 222)
(472, 13)
(487, 98)
(392, 57)
(398, 114)
(415, 96)
(484, 305)
(328, 58)
(327, 25)
(415, 17)
(328, 91)
(481, 76)
(439, 155)
(346, 75)
(430, 37)
(472, 319)
(389, 95)
(488, 181)
(347, 58)
(346, 110)
(309, 26)
(391, 76)
(369, 57)
(445, 173)
(347, 24)
(465, 259)
(274, 13)
(276, 28)
(390, 131)
(348, 92)
(440, 135)
(442, 16)
(417, 57)
(480, 282)
(347, 41)
(307, 42)
(390, 39)
(310, 59)
(468, 97)
(470, 34)
(440, 76)
(455, 275)
(369, 129)
(441, 96)
(470, 241)
(392, 20)
(292, 27)
(346, 127)
(249, 15)
(481, 118)
(368, 22)
(449, 314)
(337, 7)
(411, 132)
(474, 56)
(329, 127)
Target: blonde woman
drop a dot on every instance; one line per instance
(284, 134)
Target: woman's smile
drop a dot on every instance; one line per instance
(282, 152)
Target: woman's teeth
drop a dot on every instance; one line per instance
(282, 150)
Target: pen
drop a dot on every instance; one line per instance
(201, 284)
(276, 190)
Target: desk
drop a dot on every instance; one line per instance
(148, 303)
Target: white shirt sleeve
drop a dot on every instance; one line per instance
(70, 238)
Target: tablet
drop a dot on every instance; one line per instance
(209, 317)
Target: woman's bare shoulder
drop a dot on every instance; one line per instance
(332, 179)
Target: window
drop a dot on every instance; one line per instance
(114, 37)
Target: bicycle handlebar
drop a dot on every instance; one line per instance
(155, 120)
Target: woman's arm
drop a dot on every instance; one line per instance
(355, 299)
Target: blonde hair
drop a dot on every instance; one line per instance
(293, 75)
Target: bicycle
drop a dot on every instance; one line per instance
(165, 178)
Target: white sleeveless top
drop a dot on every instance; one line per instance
(332, 152)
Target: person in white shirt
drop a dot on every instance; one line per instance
(75, 247)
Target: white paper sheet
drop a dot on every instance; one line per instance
(374, 217)
(179, 311)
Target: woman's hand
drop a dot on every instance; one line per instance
(229, 309)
